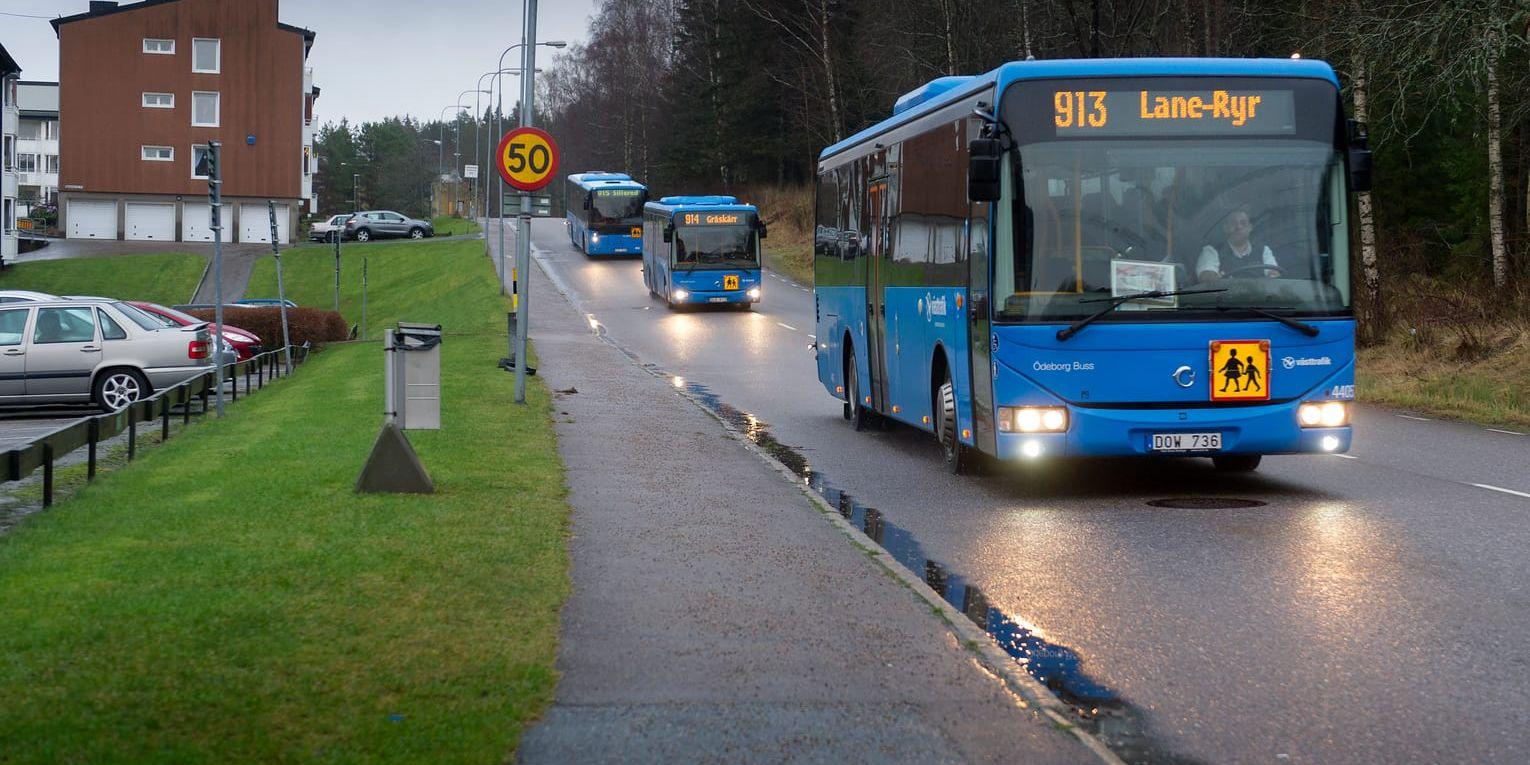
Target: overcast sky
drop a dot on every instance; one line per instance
(372, 58)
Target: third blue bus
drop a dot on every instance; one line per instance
(605, 213)
(1104, 257)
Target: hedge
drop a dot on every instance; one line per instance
(312, 325)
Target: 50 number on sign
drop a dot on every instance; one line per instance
(527, 158)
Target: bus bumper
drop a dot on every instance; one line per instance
(751, 295)
(1097, 432)
(613, 244)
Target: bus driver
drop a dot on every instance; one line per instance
(1237, 254)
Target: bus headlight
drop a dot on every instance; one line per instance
(594, 237)
(679, 294)
(754, 293)
(1324, 414)
(1032, 419)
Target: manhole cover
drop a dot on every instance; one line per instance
(1206, 503)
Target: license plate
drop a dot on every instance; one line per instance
(730, 282)
(1187, 442)
(717, 300)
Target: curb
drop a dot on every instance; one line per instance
(1031, 692)
(198, 289)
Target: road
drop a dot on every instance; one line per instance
(1374, 608)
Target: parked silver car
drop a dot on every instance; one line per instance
(101, 351)
(321, 231)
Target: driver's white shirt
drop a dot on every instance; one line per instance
(1210, 260)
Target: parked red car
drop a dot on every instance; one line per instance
(244, 342)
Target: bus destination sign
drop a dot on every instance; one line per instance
(1173, 112)
(618, 192)
(711, 219)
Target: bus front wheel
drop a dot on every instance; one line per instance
(958, 456)
(858, 415)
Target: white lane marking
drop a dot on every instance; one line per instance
(1347, 456)
(1509, 432)
(1412, 417)
(788, 326)
(813, 337)
(1500, 488)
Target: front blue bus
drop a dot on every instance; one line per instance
(1117, 258)
(605, 213)
(702, 251)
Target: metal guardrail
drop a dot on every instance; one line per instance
(43, 451)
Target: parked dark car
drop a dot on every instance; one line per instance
(386, 224)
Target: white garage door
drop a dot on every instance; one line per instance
(92, 219)
(149, 222)
(255, 223)
(196, 222)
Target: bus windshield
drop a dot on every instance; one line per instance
(1124, 206)
(715, 247)
(616, 206)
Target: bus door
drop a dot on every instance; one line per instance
(979, 300)
(876, 304)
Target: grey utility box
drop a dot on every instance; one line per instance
(413, 376)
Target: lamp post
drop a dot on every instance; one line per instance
(477, 119)
(355, 196)
(528, 62)
(523, 235)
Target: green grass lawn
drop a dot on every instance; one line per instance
(169, 278)
(422, 282)
(228, 598)
(449, 225)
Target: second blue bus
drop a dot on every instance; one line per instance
(605, 213)
(702, 250)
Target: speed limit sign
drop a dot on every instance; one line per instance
(527, 158)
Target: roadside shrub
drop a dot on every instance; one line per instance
(312, 325)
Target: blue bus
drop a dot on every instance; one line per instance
(1105, 257)
(605, 213)
(702, 250)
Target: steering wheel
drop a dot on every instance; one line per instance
(1262, 268)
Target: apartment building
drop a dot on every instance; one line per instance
(36, 145)
(10, 117)
(144, 86)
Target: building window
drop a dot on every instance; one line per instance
(198, 156)
(153, 45)
(157, 153)
(52, 163)
(8, 216)
(159, 100)
(9, 160)
(204, 109)
(206, 55)
(26, 163)
(29, 130)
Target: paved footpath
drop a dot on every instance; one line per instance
(716, 616)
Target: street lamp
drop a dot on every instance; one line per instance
(477, 150)
(517, 72)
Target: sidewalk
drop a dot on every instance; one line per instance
(716, 616)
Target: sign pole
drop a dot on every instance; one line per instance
(338, 236)
(523, 238)
(281, 290)
(215, 193)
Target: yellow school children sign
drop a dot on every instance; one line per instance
(1240, 370)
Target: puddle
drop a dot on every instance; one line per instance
(1099, 708)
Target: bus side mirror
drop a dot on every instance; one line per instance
(1359, 157)
(761, 226)
(669, 233)
(983, 167)
(586, 201)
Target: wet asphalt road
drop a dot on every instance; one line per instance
(1375, 609)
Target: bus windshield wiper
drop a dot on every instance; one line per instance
(1117, 301)
(1300, 326)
